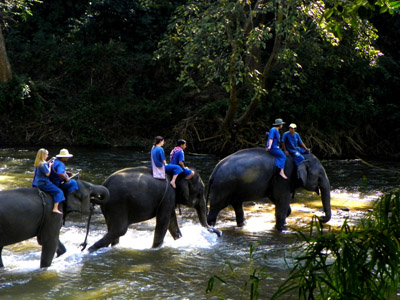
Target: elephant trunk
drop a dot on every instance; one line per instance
(201, 209)
(326, 199)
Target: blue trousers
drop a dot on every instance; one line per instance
(53, 190)
(173, 169)
(297, 157)
(280, 157)
(69, 187)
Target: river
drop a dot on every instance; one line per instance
(179, 269)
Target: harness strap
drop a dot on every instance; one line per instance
(165, 192)
(42, 196)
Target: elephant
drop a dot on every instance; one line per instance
(251, 175)
(136, 196)
(27, 212)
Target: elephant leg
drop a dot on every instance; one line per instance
(163, 218)
(111, 237)
(282, 210)
(116, 227)
(238, 207)
(115, 242)
(60, 249)
(212, 217)
(213, 214)
(173, 227)
(48, 250)
(1, 260)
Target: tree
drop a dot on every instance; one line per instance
(5, 67)
(7, 10)
(234, 46)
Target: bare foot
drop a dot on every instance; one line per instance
(173, 184)
(283, 175)
(57, 211)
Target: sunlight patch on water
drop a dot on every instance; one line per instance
(259, 222)
(21, 258)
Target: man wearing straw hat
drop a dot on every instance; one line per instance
(58, 174)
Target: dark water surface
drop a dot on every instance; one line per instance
(181, 268)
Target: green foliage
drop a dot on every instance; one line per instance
(95, 59)
(17, 96)
(359, 262)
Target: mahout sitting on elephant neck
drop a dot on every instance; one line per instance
(250, 175)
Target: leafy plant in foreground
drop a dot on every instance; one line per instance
(359, 262)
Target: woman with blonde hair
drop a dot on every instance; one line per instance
(41, 179)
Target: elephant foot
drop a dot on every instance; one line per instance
(177, 235)
(240, 224)
(61, 251)
(280, 227)
(92, 249)
(157, 245)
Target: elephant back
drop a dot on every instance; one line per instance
(240, 174)
(22, 212)
(136, 181)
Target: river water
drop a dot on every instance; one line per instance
(179, 269)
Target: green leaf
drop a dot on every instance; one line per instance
(394, 4)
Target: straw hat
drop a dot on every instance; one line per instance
(64, 153)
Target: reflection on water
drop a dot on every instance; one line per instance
(181, 268)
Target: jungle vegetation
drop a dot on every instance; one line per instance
(215, 72)
(349, 262)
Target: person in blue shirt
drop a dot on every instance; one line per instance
(59, 176)
(159, 164)
(272, 146)
(293, 145)
(177, 157)
(41, 179)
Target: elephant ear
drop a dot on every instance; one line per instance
(302, 172)
(73, 202)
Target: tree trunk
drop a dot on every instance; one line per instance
(251, 109)
(5, 67)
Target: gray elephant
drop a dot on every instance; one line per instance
(250, 175)
(27, 212)
(136, 196)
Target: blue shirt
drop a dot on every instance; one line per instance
(158, 156)
(275, 136)
(178, 157)
(40, 175)
(57, 168)
(292, 142)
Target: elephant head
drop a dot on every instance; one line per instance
(87, 193)
(190, 192)
(312, 177)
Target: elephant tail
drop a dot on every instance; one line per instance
(210, 182)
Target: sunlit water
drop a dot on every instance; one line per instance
(179, 269)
